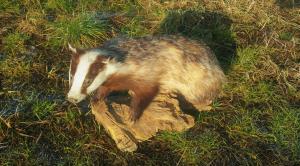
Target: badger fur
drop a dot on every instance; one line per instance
(146, 66)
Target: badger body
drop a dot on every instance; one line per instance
(147, 66)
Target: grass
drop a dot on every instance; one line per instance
(82, 29)
(255, 121)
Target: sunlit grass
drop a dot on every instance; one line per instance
(64, 6)
(286, 128)
(254, 122)
(82, 29)
(15, 43)
(200, 148)
(7, 6)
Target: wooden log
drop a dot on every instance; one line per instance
(163, 114)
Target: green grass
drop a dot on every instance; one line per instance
(194, 148)
(286, 128)
(82, 29)
(255, 121)
(15, 43)
(9, 7)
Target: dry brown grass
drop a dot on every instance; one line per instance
(256, 121)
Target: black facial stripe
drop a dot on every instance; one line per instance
(73, 67)
(93, 71)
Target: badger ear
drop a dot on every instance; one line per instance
(106, 61)
(74, 50)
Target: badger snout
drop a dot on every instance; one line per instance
(72, 100)
(75, 98)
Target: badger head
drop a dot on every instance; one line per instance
(88, 70)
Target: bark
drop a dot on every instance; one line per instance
(163, 114)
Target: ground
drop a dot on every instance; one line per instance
(255, 121)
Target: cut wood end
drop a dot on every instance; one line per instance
(163, 114)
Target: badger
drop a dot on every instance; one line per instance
(146, 66)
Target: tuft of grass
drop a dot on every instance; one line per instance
(82, 29)
(264, 93)
(64, 6)
(134, 28)
(14, 70)
(34, 22)
(7, 6)
(43, 109)
(14, 43)
(248, 57)
(193, 147)
(286, 129)
(288, 36)
(244, 126)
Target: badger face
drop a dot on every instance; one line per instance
(88, 70)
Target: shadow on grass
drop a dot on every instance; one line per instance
(155, 152)
(288, 3)
(211, 27)
(215, 30)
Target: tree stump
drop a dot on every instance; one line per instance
(163, 114)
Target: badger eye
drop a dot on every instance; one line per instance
(89, 81)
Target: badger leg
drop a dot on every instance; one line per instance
(192, 103)
(141, 99)
(101, 93)
(203, 105)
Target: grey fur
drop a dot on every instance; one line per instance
(179, 64)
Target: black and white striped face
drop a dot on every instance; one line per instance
(88, 70)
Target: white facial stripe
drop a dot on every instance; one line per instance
(84, 64)
(72, 48)
(110, 69)
(70, 73)
(99, 79)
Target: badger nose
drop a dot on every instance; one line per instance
(72, 100)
